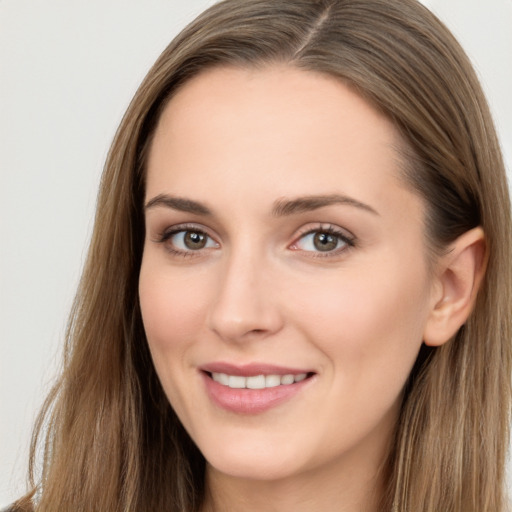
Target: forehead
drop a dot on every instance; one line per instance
(278, 131)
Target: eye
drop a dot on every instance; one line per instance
(184, 241)
(323, 240)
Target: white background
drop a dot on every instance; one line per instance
(67, 72)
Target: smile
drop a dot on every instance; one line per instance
(256, 381)
(254, 388)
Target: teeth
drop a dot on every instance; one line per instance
(221, 378)
(287, 379)
(271, 381)
(236, 381)
(257, 381)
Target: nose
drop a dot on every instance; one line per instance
(246, 306)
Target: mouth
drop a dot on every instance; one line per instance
(257, 381)
(253, 389)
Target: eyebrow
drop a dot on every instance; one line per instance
(178, 203)
(284, 207)
(281, 208)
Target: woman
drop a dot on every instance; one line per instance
(297, 294)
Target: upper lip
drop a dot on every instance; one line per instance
(252, 369)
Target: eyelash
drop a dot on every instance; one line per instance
(348, 241)
(167, 234)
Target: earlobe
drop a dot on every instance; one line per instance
(458, 278)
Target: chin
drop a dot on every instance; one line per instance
(247, 470)
(252, 463)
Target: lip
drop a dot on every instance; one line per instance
(251, 401)
(252, 369)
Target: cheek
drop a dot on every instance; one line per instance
(172, 306)
(368, 322)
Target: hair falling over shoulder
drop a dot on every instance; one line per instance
(107, 437)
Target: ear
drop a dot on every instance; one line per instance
(457, 279)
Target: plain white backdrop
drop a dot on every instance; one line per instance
(67, 73)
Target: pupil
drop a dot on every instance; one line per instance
(325, 242)
(195, 240)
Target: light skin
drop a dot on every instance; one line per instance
(280, 231)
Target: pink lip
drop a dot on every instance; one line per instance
(250, 401)
(251, 370)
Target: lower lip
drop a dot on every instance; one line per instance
(251, 401)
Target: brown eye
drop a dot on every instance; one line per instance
(325, 241)
(188, 240)
(195, 240)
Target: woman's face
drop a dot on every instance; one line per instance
(284, 286)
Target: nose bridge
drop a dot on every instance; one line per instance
(244, 306)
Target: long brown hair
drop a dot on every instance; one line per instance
(112, 441)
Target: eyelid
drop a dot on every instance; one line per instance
(348, 239)
(165, 235)
(186, 226)
(343, 234)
